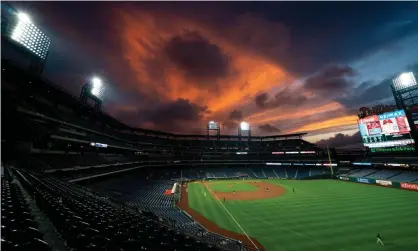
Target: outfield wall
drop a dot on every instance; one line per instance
(385, 183)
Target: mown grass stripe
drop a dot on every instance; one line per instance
(342, 215)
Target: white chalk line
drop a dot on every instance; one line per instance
(232, 217)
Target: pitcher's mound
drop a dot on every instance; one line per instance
(265, 191)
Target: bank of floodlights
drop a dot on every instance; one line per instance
(97, 88)
(244, 128)
(94, 89)
(404, 80)
(28, 35)
(213, 129)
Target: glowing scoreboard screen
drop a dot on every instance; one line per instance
(389, 129)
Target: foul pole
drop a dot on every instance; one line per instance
(330, 163)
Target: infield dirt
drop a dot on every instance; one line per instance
(265, 191)
(261, 193)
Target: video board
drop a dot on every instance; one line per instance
(389, 129)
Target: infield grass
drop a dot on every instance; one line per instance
(321, 215)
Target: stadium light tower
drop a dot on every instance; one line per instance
(405, 91)
(95, 90)
(244, 127)
(22, 40)
(213, 129)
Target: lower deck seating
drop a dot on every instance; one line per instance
(149, 195)
(262, 172)
(406, 177)
(89, 222)
(392, 175)
(19, 231)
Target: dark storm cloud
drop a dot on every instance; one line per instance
(341, 140)
(333, 78)
(324, 35)
(267, 128)
(236, 115)
(230, 125)
(233, 120)
(261, 99)
(199, 59)
(170, 113)
(282, 98)
(368, 93)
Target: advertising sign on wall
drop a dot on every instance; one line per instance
(409, 186)
(344, 178)
(389, 129)
(385, 183)
(362, 180)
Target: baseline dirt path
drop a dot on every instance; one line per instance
(265, 191)
(209, 225)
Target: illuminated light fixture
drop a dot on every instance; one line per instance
(97, 87)
(277, 152)
(307, 152)
(29, 36)
(244, 126)
(404, 80)
(23, 17)
(212, 125)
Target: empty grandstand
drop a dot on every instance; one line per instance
(75, 178)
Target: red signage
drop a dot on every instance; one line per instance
(409, 186)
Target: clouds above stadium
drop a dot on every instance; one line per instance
(175, 66)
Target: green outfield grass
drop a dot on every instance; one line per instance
(230, 186)
(321, 215)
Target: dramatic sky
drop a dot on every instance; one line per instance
(284, 67)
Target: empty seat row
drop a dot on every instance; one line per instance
(87, 222)
(19, 231)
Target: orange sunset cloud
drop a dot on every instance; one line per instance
(146, 35)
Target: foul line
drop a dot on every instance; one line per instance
(232, 217)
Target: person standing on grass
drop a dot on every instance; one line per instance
(379, 239)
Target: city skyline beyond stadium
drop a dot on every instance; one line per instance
(176, 66)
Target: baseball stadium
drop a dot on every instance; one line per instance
(75, 178)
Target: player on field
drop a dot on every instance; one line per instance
(379, 239)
